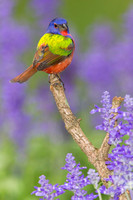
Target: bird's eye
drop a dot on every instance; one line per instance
(55, 25)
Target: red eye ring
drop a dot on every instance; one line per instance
(55, 25)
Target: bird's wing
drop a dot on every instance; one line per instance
(44, 58)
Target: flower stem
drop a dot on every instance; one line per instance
(131, 194)
(99, 194)
(127, 195)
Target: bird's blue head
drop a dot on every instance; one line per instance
(58, 26)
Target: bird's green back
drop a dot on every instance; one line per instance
(58, 44)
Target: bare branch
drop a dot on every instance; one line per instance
(73, 127)
(105, 147)
(71, 122)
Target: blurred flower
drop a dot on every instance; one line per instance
(14, 40)
(45, 10)
(128, 21)
(6, 9)
(94, 178)
(102, 35)
(107, 63)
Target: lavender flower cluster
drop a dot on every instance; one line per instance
(75, 182)
(121, 158)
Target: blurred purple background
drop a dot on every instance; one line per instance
(105, 64)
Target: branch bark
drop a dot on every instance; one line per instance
(95, 156)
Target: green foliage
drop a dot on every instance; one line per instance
(10, 183)
(85, 13)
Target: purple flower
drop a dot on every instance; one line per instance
(93, 177)
(47, 191)
(75, 179)
(90, 196)
(75, 182)
(108, 120)
(121, 163)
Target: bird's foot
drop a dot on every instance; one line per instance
(49, 79)
(61, 82)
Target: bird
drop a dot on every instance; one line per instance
(54, 51)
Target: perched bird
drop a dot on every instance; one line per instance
(54, 51)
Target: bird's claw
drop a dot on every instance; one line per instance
(55, 84)
(60, 81)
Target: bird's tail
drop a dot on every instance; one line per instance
(25, 75)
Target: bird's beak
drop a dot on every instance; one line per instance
(63, 27)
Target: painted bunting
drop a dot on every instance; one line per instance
(54, 51)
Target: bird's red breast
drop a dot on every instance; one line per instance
(57, 68)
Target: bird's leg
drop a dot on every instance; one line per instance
(58, 79)
(49, 79)
(57, 75)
